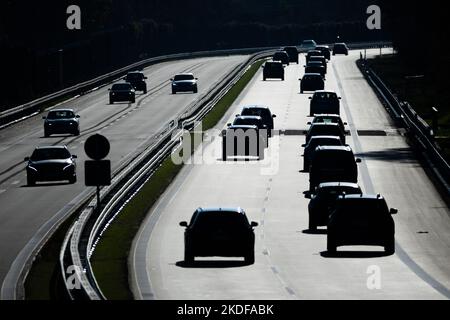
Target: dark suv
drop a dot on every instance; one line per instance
(242, 140)
(263, 131)
(325, 51)
(321, 59)
(324, 102)
(315, 67)
(340, 48)
(314, 142)
(222, 232)
(323, 202)
(311, 82)
(361, 220)
(331, 163)
(184, 82)
(325, 129)
(281, 56)
(263, 112)
(137, 80)
(293, 53)
(273, 70)
(122, 92)
(312, 53)
(61, 121)
(53, 163)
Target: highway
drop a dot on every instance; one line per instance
(27, 213)
(291, 263)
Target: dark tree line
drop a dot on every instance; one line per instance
(116, 33)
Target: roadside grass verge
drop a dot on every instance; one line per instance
(110, 258)
(422, 93)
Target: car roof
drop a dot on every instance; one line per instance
(136, 71)
(185, 74)
(314, 51)
(325, 137)
(312, 74)
(320, 124)
(255, 106)
(249, 117)
(362, 197)
(242, 126)
(65, 109)
(221, 209)
(51, 147)
(334, 148)
(323, 46)
(339, 184)
(328, 115)
(324, 91)
(340, 44)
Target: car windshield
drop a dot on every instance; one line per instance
(135, 76)
(312, 77)
(60, 114)
(324, 96)
(263, 113)
(332, 193)
(314, 143)
(221, 220)
(181, 77)
(50, 154)
(326, 120)
(121, 86)
(247, 122)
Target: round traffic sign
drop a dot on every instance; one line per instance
(97, 147)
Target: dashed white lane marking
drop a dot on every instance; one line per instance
(2, 190)
(15, 182)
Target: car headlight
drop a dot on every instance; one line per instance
(174, 84)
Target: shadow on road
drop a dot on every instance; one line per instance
(317, 231)
(355, 254)
(212, 264)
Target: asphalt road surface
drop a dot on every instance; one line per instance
(25, 211)
(290, 263)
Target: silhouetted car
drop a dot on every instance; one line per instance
(315, 68)
(273, 70)
(263, 131)
(61, 121)
(53, 163)
(263, 112)
(122, 92)
(313, 53)
(325, 129)
(137, 80)
(324, 102)
(242, 140)
(315, 142)
(281, 56)
(323, 202)
(292, 53)
(325, 51)
(329, 118)
(224, 232)
(361, 220)
(308, 45)
(321, 59)
(332, 163)
(184, 82)
(311, 82)
(340, 48)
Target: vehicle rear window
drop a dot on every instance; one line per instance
(60, 115)
(50, 154)
(263, 113)
(181, 77)
(121, 86)
(221, 220)
(135, 76)
(246, 122)
(325, 95)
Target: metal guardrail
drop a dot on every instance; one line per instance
(406, 117)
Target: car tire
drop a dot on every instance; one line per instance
(390, 247)
(250, 257)
(133, 100)
(188, 256)
(111, 101)
(195, 90)
(301, 91)
(331, 245)
(311, 225)
(174, 91)
(46, 133)
(264, 78)
(282, 78)
(145, 90)
(77, 133)
(30, 181)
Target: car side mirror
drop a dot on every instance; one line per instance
(109, 89)
(237, 115)
(274, 116)
(345, 123)
(77, 116)
(358, 160)
(308, 195)
(300, 79)
(393, 211)
(196, 78)
(308, 123)
(74, 156)
(254, 224)
(145, 77)
(171, 79)
(228, 124)
(303, 145)
(339, 98)
(183, 224)
(44, 118)
(26, 159)
(310, 98)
